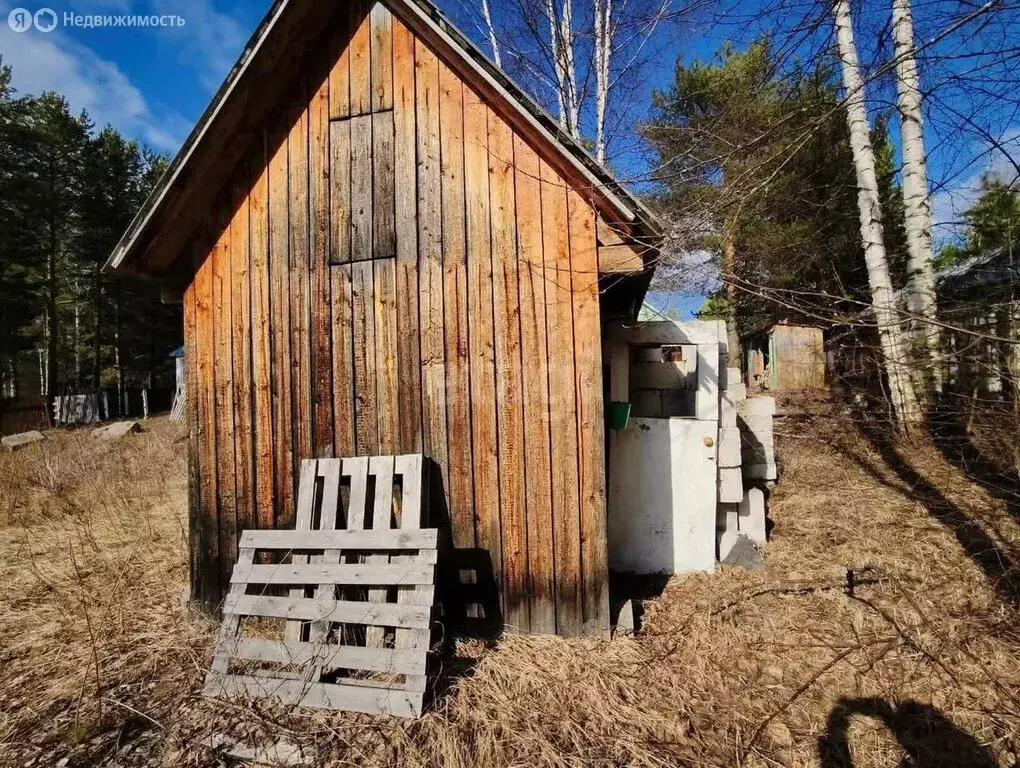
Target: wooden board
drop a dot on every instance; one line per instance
(562, 404)
(590, 415)
(223, 371)
(535, 389)
(359, 54)
(430, 264)
(406, 212)
(300, 285)
(319, 695)
(481, 352)
(508, 381)
(381, 23)
(280, 298)
(460, 476)
(262, 413)
(321, 342)
(324, 559)
(241, 331)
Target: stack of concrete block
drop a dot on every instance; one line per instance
(731, 392)
(758, 453)
(746, 452)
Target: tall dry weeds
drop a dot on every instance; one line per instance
(920, 666)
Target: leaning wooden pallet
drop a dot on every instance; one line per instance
(350, 592)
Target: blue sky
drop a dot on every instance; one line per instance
(153, 83)
(149, 83)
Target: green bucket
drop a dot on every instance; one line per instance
(618, 415)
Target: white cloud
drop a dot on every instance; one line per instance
(89, 82)
(998, 160)
(210, 41)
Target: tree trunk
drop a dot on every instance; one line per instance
(920, 288)
(97, 363)
(890, 331)
(487, 15)
(729, 260)
(602, 53)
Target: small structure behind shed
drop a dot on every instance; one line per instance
(785, 357)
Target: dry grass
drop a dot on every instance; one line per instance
(920, 667)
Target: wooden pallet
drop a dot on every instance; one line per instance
(350, 592)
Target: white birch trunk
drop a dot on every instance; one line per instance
(487, 15)
(920, 288)
(890, 331)
(571, 96)
(603, 50)
(554, 48)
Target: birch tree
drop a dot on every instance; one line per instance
(890, 331)
(580, 57)
(920, 287)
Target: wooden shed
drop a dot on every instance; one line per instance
(383, 247)
(785, 357)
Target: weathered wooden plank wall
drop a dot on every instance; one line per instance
(395, 269)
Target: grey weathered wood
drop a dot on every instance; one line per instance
(326, 656)
(361, 188)
(410, 468)
(231, 623)
(381, 467)
(370, 553)
(360, 573)
(373, 700)
(20, 440)
(340, 611)
(357, 469)
(345, 540)
(302, 522)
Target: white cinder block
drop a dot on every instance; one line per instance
(757, 406)
(731, 485)
(727, 529)
(729, 446)
(751, 515)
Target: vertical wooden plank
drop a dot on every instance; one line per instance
(381, 467)
(300, 286)
(342, 294)
(320, 304)
(383, 226)
(410, 468)
(590, 419)
(241, 344)
(481, 347)
(406, 214)
(195, 510)
(208, 586)
(563, 406)
(534, 352)
(430, 247)
(280, 298)
(308, 469)
(386, 350)
(340, 191)
(459, 480)
(381, 22)
(359, 53)
(262, 417)
(366, 426)
(340, 73)
(509, 379)
(361, 188)
(223, 373)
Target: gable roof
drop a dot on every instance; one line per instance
(155, 238)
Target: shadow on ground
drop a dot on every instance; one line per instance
(929, 739)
